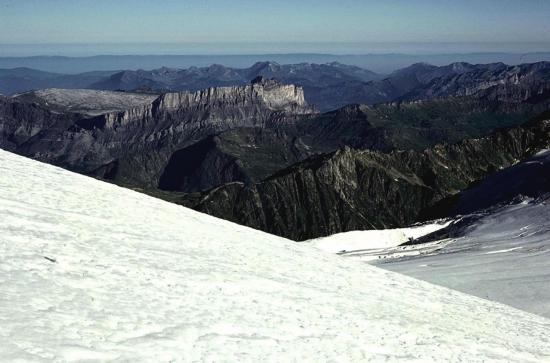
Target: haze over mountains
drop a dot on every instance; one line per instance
(383, 62)
(340, 80)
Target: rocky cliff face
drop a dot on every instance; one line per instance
(21, 123)
(261, 91)
(133, 146)
(353, 189)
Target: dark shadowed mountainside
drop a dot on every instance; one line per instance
(354, 189)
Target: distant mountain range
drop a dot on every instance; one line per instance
(383, 63)
(327, 86)
(18, 80)
(259, 154)
(324, 84)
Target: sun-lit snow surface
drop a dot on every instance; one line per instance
(504, 257)
(87, 101)
(90, 271)
(370, 245)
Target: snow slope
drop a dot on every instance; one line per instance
(504, 256)
(91, 271)
(369, 245)
(503, 253)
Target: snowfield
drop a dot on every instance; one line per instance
(505, 257)
(372, 244)
(90, 271)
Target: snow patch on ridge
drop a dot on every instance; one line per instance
(87, 101)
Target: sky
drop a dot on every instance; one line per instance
(272, 24)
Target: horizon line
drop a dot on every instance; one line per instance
(278, 54)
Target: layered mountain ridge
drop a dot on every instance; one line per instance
(260, 155)
(327, 86)
(251, 154)
(131, 145)
(354, 189)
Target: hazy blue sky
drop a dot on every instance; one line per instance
(269, 21)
